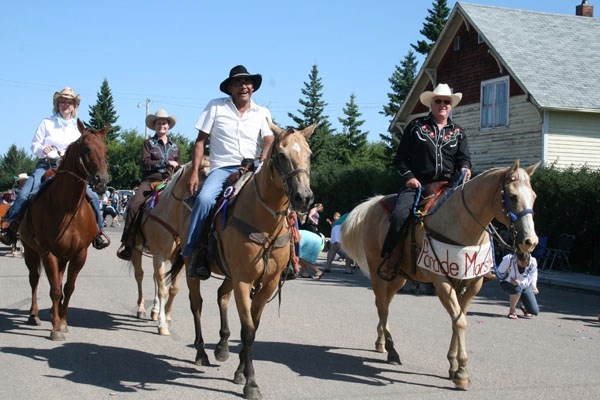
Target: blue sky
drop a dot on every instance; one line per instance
(176, 53)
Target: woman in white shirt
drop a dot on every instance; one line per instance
(518, 273)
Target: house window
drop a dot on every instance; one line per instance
(457, 43)
(494, 103)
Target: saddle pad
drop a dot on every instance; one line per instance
(459, 262)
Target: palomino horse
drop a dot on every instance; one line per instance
(501, 193)
(160, 233)
(254, 247)
(59, 225)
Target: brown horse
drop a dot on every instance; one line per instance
(502, 193)
(160, 233)
(254, 247)
(59, 225)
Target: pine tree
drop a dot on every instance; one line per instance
(313, 112)
(14, 162)
(355, 139)
(433, 26)
(103, 112)
(401, 82)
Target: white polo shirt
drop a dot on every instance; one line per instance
(52, 133)
(233, 137)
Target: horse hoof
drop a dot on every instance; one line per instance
(379, 348)
(141, 314)
(252, 392)
(462, 383)
(154, 316)
(221, 354)
(394, 360)
(34, 320)
(202, 361)
(164, 331)
(57, 336)
(239, 379)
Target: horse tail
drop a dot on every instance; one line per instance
(176, 267)
(352, 237)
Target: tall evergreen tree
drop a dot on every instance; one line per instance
(434, 23)
(401, 82)
(14, 162)
(313, 112)
(103, 112)
(355, 139)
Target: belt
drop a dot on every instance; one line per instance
(51, 162)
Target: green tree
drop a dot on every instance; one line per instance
(401, 82)
(103, 112)
(313, 112)
(14, 162)
(434, 23)
(124, 159)
(354, 140)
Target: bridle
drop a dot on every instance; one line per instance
(285, 171)
(94, 179)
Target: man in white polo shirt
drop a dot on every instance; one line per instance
(234, 126)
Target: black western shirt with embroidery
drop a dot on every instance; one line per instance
(430, 154)
(156, 156)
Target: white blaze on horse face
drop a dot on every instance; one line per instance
(296, 148)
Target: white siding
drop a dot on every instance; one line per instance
(573, 139)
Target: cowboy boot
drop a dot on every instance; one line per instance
(389, 267)
(200, 266)
(125, 251)
(101, 241)
(9, 235)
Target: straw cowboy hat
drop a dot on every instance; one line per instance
(23, 176)
(441, 90)
(161, 113)
(66, 93)
(239, 71)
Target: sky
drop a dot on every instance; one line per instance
(175, 54)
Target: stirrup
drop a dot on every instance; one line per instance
(101, 241)
(383, 268)
(199, 265)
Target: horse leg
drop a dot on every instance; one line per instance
(75, 267)
(138, 272)
(161, 292)
(196, 309)
(245, 371)
(457, 353)
(32, 260)
(54, 276)
(173, 290)
(384, 294)
(223, 297)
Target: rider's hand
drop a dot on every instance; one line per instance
(413, 183)
(467, 173)
(193, 182)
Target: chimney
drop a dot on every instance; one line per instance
(584, 9)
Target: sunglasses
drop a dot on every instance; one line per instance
(440, 101)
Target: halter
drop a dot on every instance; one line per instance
(509, 212)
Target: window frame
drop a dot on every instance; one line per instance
(497, 120)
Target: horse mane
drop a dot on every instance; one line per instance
(176, 176)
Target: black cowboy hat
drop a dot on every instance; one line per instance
(239, 71)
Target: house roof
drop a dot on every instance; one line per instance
(555, 58)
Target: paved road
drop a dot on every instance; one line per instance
(317, 345)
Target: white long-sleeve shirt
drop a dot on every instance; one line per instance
(508, 269)
(56, 133)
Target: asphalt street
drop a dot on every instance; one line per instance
(317, 344)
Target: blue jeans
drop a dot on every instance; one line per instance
(205, 200)
(33, 183)
(527, 296)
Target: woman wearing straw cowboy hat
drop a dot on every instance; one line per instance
(235, 126)
(160, 157)
(432, 149)
(51, 139)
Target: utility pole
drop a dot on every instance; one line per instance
(147, 113)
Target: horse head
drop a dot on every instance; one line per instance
(518, 198)
(290, 156)
(90, 150)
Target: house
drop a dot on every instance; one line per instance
(530, 83)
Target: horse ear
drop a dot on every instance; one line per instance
(104, 130)
(531, 169)
(80, 126)
(309, 130)
(276, 130)
(514, 167)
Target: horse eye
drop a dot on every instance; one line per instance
(513, 197)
